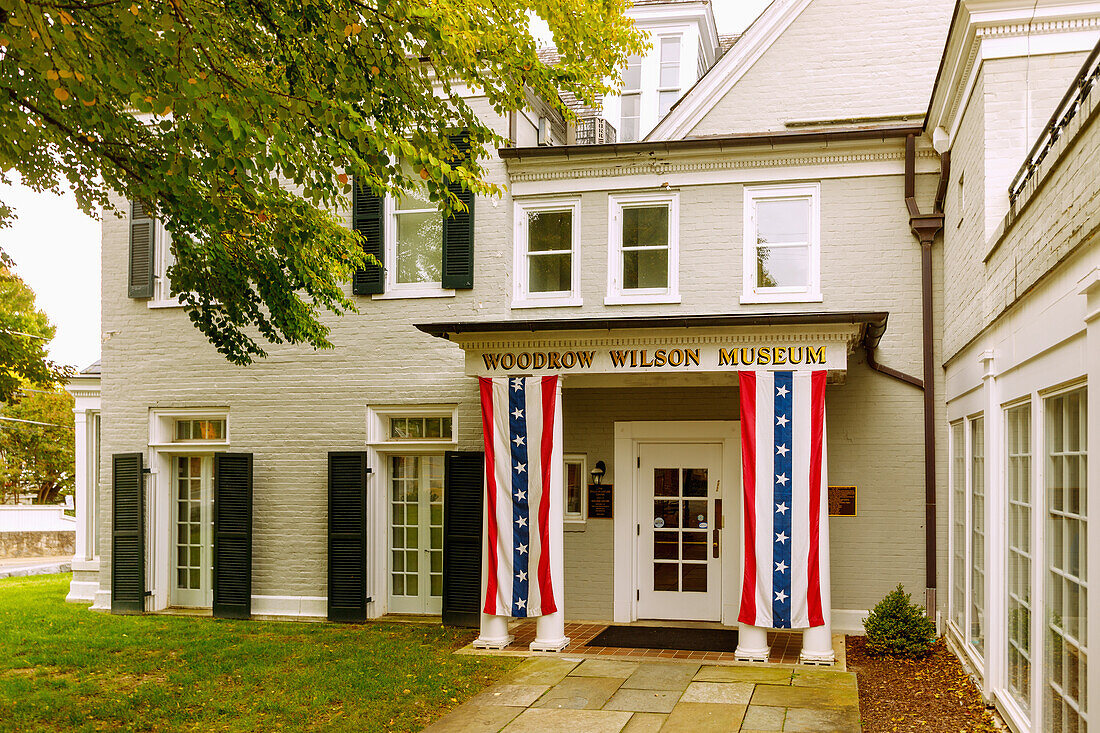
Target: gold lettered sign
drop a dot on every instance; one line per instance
(599, 501)
(842, 501)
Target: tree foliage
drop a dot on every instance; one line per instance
(241, 123)
(24, 334)
(37, 452)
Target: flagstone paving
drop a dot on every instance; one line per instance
(557, 694)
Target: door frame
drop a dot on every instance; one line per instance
(628, 437)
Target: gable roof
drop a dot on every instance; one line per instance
(720, 79)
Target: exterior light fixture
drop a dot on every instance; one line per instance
(598, 472)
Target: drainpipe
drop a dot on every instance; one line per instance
(925, 228)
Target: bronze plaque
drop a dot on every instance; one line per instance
(599, 501)
(842, 501)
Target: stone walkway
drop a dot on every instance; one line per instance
(607, 696)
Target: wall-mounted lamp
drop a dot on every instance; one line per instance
(598, 472)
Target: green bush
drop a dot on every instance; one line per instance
(898, 628)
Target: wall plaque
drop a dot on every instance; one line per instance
(842, 501)
(599, 501)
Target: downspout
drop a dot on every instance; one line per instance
(925, 228)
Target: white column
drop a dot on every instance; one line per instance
(1090, 288)
(494, 629)
(550, 629)
(752, 644)
(81, 500)
(995, 629)
(817, 642)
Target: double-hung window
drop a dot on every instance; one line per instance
(643, 249)
(668, 83)
(414, 245)
(545, 268)
(782, 251)
(630, 101)
(576, 474)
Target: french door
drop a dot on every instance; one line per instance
(193, 497)
(416, 534)
(679, 551)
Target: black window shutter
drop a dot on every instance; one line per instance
(463, 489)
(367, 218)
(458, 231)
(127, 533)
(232, 535)
(347, 536)
(141, 251)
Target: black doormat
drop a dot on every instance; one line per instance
(664, 637)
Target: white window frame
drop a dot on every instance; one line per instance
(393, 289)
(378, 428)
(578, 520)
(616, 293)
(521, 296)
(659, 47)
(808, 294)
(638, 92)
(162, 260)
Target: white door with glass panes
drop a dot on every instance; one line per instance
(679, 543)
(193, 548)
(416, 534)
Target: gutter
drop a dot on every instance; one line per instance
(925, 228)
(721, 142)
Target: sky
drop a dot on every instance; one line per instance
(56, 247)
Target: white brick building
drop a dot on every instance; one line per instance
(792, 198)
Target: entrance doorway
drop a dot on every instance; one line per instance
(193, 499)
(416, 534)
(679, 543)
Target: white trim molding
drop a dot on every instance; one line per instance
(521, 295)
(617, 294)
(751, 291)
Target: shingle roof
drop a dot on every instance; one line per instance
(93, 369)
(549, 56)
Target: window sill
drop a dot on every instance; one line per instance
(749, 298)
(575, 525)
(411, 293)
(642, 299)
(170, 303)
(564, 302)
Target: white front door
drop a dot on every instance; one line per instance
(193, 548)
(416, 534)
(679, 555)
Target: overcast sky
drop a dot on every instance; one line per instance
(56, 247)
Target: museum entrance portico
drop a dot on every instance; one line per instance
(658, 534)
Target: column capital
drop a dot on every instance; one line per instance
(1089, 286)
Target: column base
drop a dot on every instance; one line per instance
(823, 659)
(551, 645)
(493, 643)
(743, 654)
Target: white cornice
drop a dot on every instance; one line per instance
(722, 77)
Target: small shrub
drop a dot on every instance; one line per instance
(898, 628)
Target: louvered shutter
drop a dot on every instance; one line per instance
(127, 533)
(347, 536)
(463, 487)
(232, 535)
(458, 231)
(367, 211)
(142, 228)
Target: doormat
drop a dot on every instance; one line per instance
(658, 637)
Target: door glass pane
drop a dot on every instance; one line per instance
(404, 472)
(666, 576)
(695, 515)
(977, 534)
(666, 545)
(666, 514)
(416, 529)
(695, 482)
(958, 523)
(695, 545)
(695, 578)
(1018, 491)
(665, 481)
(681, 530)
(189, 523)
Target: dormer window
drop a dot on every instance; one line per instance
(631, 115)
(668, 84)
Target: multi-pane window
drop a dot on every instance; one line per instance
(1066, 633)
(420, 428)
(93, 487)
(545, 268)
(976, 635)
(668, 83)
(1018, 540)
(202, 429)
(781, 244)
(575, 477)
(631, 100)
(416, 532)
(958, 523)
(643, 249)
(417, 243)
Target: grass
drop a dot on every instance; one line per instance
(63, 667)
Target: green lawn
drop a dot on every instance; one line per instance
(63, 667)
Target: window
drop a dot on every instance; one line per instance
(163, 258)
(643, 249)
(976, 635)
(668, 83)
(203, 429)
(416, 533)
(958, 524)
(1018, 539)
(546, 246)
(414, 243)
(93, 486)
(420, 428)
(781, 245)
(1066, 633)
(631, 101)
(576, 489)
